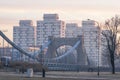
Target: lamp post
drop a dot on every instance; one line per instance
(34, 48)
(3, 47)
(98, 32)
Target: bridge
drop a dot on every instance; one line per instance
(50, 57)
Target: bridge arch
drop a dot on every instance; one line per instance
(57, 42)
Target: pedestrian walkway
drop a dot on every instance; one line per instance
(71, 75)
(85, 75)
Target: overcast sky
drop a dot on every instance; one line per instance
(11, 11)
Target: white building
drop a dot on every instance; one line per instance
(92, 41)
(73, 30)
(49, 26)
(23, 35)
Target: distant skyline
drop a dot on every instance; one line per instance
(69, 10)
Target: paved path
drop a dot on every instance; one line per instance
(85, 75)
(73, 75)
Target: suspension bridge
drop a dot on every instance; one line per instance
(50, 59)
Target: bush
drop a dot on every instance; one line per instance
(1, 65)
(23, 66)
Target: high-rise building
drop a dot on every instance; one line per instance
(23, 35)
(92, 39)
(49, 26)
(72, 30)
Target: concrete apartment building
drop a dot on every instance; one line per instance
(92, 39)
(72, 30)
(49, 26)
(23, 35)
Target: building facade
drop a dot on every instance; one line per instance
(73, 30)
(49, 26)
(23, 35)
(6, 51)
(92, 38)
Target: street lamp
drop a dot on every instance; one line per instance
(97, 42)
(3, 47)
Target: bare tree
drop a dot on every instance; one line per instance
(111, 33)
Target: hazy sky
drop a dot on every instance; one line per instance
(11, 11)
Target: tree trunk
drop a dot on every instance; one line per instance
(113, 68)
(113, 64)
